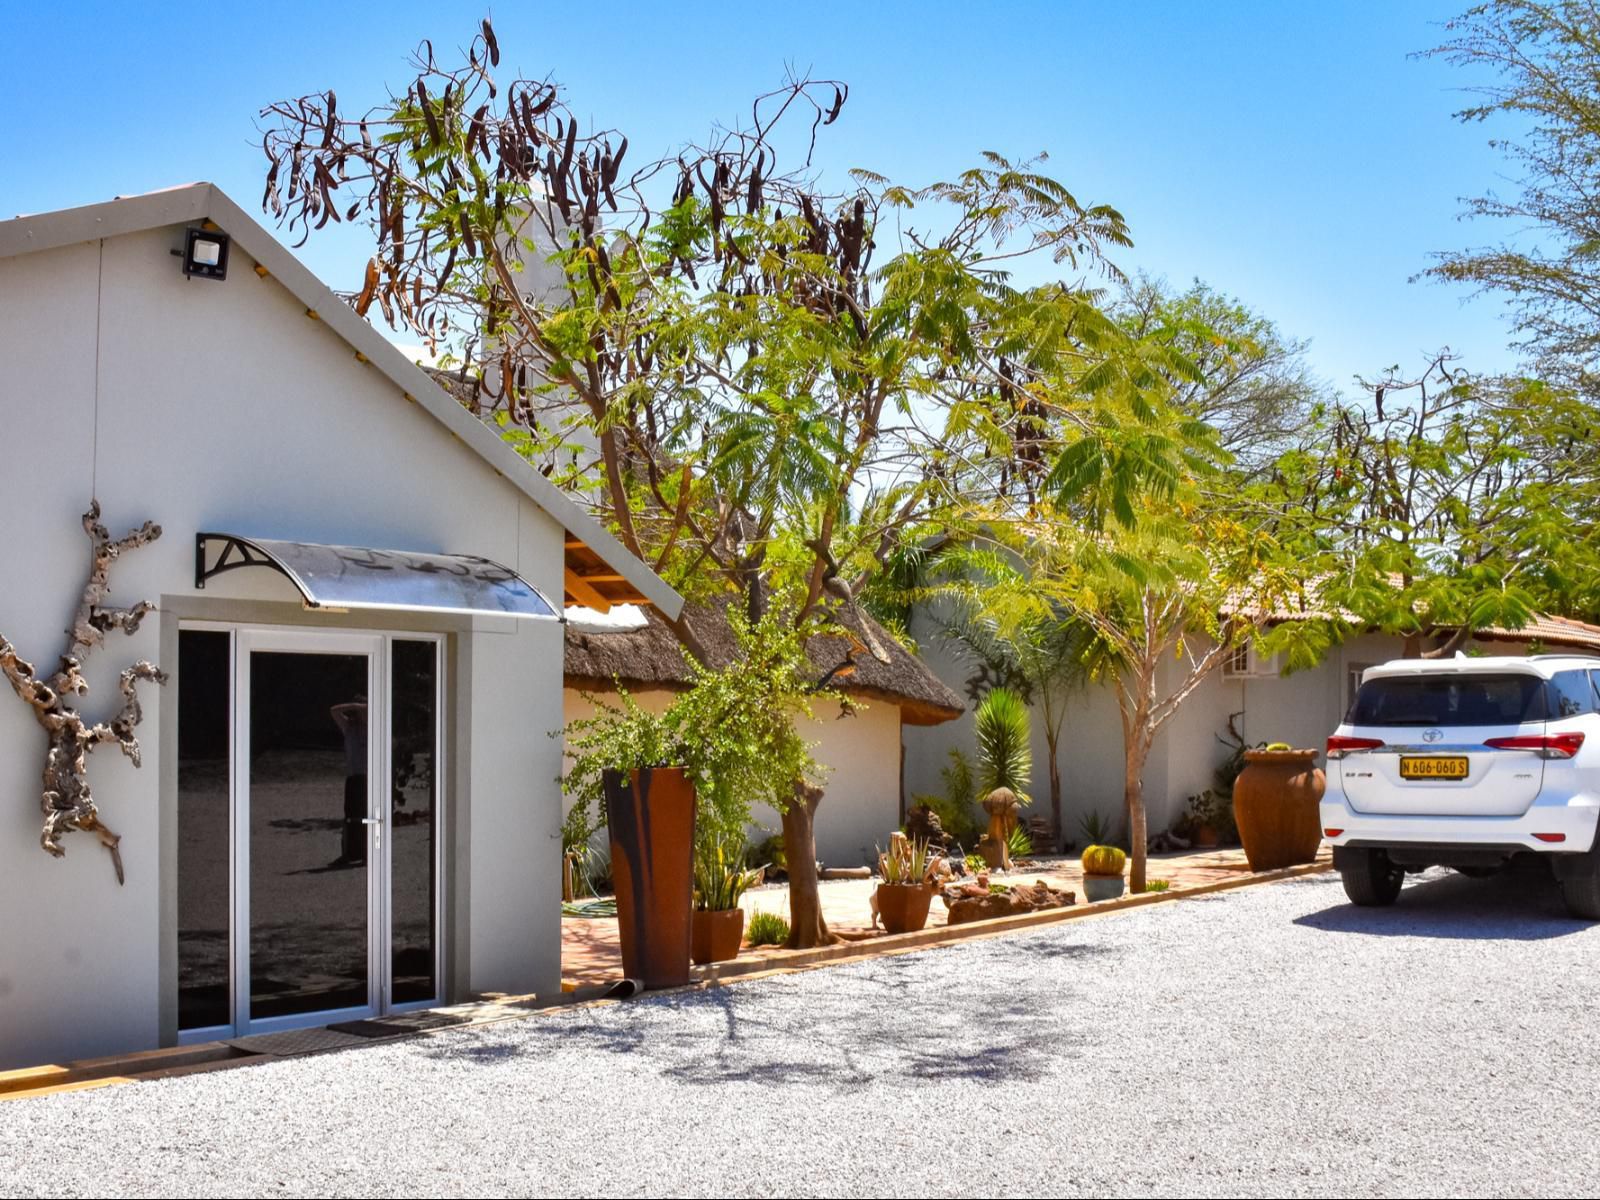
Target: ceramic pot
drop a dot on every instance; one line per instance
(715, 935)
(650, 816)
(1103, 887)
(903, 907)
(1275, 803)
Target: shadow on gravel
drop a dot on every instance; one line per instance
(890, 1022)
(1513, 905)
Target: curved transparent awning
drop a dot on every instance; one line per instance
(345, 577)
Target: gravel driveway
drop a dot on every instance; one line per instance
(1271, 1041)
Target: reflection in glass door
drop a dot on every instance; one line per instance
(310, 832)
(308, 806)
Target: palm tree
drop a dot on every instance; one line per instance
(1016, 640)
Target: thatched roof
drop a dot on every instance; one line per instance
(650, 656)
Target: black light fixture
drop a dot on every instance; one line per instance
(205, 254)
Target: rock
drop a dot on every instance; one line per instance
(986, 906)
(845, 873)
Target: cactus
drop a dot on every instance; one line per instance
(1103, 860)
(1277, 746)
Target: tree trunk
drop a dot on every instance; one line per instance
(807, 928)
(1137, 750)
(1055, 794)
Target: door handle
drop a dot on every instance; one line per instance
(372, 820)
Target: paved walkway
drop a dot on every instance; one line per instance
(590, 952)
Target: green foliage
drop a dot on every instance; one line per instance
(1095, 828)
(1534, 64)
(910, 865)
(1018, 843)
(735, 731)
(1103, 860)
(1157, 885)
(770, 851)
(720, 876)
(1005, 753)
(766, 929)
(956, 808)
(976, 863)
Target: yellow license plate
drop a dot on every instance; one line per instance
(1434, 767)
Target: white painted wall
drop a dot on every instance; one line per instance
(223, 406)
(861, 753)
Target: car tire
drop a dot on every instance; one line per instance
(1371, 880)
(1581, 891)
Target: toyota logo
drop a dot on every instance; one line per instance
(1432, 735)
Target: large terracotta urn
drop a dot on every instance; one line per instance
(650, 816)
(1275, 802)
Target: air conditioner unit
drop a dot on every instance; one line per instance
(1245, 663)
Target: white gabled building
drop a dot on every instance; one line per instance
(348, 803)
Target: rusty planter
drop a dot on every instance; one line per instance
(650, 816)
(1275, 803)
(903, 907)
(716, 935)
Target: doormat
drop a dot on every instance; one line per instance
(399, 1024)
(294, 1041)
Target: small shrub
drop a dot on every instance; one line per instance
(1157, 885)
(976, 863)
(1103, 860)
(1018, 843)
(766, 929)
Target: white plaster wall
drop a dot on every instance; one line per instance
(861, 754)
(223, 406)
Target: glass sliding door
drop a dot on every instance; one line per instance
(413, 821)
(205, 827)
(309, 834)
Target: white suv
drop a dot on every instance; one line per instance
(1465, 763)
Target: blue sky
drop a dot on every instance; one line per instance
(1291, 154)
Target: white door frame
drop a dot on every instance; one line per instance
(376, 646)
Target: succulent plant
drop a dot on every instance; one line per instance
(1103, 860)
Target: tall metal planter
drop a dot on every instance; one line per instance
(650, 816)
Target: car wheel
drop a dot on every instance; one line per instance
(1582, 893)
(1371, 880)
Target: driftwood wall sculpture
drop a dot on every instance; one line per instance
(67, 802)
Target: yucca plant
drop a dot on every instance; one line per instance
(720, 877)
(1005, 755)
(1018, 843)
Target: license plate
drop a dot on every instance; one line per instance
(1434, 767)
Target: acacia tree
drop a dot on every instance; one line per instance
(1542, 62)
(1446, 504)
(780, 383)
(1167, 600)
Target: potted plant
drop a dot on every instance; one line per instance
(904, 894)
(720, 879)
(1102, 873)
(1275, 802)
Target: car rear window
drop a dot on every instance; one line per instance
(1449, 700)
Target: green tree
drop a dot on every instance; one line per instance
(1541, 61)
(985, 607)
(778, 391)
(1447, 504)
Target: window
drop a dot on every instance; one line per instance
(1571, 694)
(1449, 700)
(205, 689)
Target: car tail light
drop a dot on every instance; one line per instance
(1339, 745)
(1551, 837)
(1550, 745)
(1333, 833)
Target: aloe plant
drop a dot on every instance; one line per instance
(910, 865)
(720, 876)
